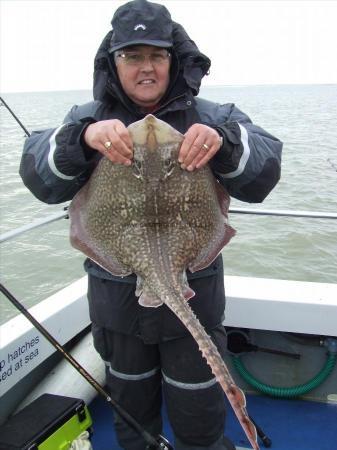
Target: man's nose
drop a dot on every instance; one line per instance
(147, 63)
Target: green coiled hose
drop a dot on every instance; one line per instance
(287, 392)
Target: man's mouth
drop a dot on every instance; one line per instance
(147, 81)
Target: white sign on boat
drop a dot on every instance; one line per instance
(22, 347)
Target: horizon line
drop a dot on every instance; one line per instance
(203, 86)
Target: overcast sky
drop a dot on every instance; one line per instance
(50, 45)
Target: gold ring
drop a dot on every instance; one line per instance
(205, 147)
(107, 145)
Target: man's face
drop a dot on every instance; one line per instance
(143, 71)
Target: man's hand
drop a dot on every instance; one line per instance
(112, 139)
(200, 145)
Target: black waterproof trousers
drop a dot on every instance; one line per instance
(149, 353)
(138, 374)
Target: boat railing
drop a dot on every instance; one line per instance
(7, 236)
(260, 212)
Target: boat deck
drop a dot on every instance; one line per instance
(290, 424)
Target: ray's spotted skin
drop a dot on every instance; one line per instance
(156, 220)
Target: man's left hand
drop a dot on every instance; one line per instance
(200, 145)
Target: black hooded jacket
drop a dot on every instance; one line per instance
(56, 163)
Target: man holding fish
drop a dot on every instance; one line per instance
(147, 64)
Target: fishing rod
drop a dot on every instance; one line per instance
(159, 443)
(3, 103)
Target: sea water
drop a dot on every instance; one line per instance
(304, 117)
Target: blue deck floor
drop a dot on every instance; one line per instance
(290, 424)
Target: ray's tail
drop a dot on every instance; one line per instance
(209, 351)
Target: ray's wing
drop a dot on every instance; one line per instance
(82, 240)
(221, 233)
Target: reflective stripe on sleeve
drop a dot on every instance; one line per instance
(131, 377)
(189, 386)
(244, 156)
(51, 162)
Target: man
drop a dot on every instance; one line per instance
(147, 63)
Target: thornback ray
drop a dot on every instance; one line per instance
(156, 220)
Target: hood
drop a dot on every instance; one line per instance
(188, 68)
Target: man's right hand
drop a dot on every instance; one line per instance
(112, 139)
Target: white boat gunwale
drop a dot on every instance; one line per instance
(256, 303)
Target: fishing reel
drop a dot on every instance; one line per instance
(162, 444)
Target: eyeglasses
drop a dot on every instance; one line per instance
(138, 59)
